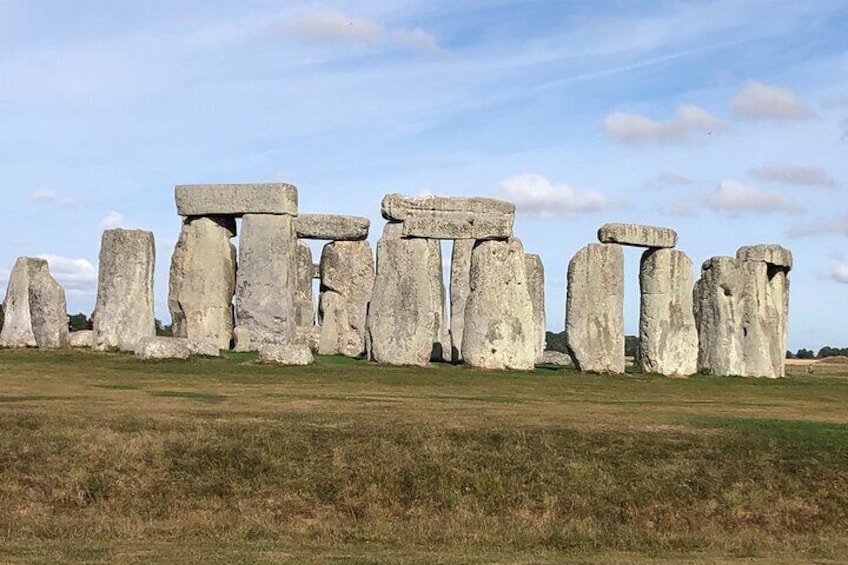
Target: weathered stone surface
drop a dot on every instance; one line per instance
(347, 279)
(204, 348)
(459, 288)
(393, 230)
(771, 254)
(332, 227)
(265, 283)
(310, 337)
(162, 348)
(124, 311)
(398, 207)
(536, 286)
(241, 339)
(668, 338)
(499, 332)
(278, 354)
(637, 235)
(236, 199)
(442, 346)
(82, 338)
(594, 316)
(202, 281)
(458, 225)
(304, 302)
(733, 313)
(17, 323)
(403, 319)
(48, 310)
(557, 358)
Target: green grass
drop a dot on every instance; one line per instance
(104, 458)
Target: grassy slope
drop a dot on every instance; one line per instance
(105, 458)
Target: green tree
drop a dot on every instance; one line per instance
(77, 322)
(805, 354)
(556, 342)
(631, 346)
(163, 330)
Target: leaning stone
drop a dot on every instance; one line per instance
(459, 289)
(48, 310)
(556, 358)
(304, 303)
(266, 279)
(17, 323)
(637, 235)
(241, 339)
(124, 311)
(499, 332)
(277, 354)
(668, 338)
(202, 281)
(594, 314)
(458, 225)
(162, 348)
(398, 207)
(332, 227)
(771, 254)
(347, 279)
(536, 286)
(82, 338)
(236, 199)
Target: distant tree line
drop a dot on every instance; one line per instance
(826, 351)
(556, 342)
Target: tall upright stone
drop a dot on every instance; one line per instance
(17, 322)
(266, 278)
(499, 330)
(304, 301)
(459, 289)
(347, 279)
(668, 338)
(202, 281)
(594, 315)
(48, 310)
(124, 311)
(536, 286)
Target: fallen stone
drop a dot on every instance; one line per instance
(162, 348)
(773, 255)
(17, 323)
(332, 227)
(536, 286)
(124, 311)
(277, 354)
(459, 288)
(668, 338)
(458, 225)
(499, 332)
(304, 302)
(241, 339)
(82, 338)
(266, 279)
(594, 316)
(48, 310)
(398, 207)
(556, 358)
(204, 348)
(202, 281)
(637, 235)
(236, 199)
(347, 279)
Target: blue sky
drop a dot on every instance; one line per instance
(725, 119)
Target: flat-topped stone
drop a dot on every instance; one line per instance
(332, 227)
(458, 225)
(153, 347)
(235, 199)
(399, 207)
(771, 254)
(637, 235)
(280, 354)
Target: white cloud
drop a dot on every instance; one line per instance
(758, 101)
(734, 197)
(77, 276)
(840, 274)
(112, 220)
(535, 195)
(834, 226)
(334, 26)
(416, 39)
(45, 196)
(794, 174)
(689, 122)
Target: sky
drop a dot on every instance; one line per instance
(726, 120)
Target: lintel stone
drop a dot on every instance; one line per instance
(771, 254)
(236, 199)
(637, 235)
(332, 227)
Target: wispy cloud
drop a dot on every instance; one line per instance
(333, 26)
(689, 123)
(837, 225)
(77, 276)
(758, 101)
(112, 220)
(840, 274)
(53, 198)
(536, 196)
(673, 179)
(416, 39)
(796, 175)
(734, 197)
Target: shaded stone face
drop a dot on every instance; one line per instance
(499, 330)
(17, 323)
(124, 311)
(459, 288)
(536, 286)
(637, 235)
(266, 279)
(48, 310)
(668, 338)
(202, 281)
(304, 302)
(331, 227)
(236, 199)
(594, 317)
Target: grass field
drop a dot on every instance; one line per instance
(104, 458)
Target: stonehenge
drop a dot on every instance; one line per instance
(35, 313)
(236, 200)
(304, 301)
(536, 286)
(637, 235)
(459, 288)
(347, 278)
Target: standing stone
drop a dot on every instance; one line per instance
(499, 330)
(459, 289)
(267, 273)
(48, 310)
(17, 323)
(403, 322)
(347, 279)
(124, 311)
(304, 302)
(536, 286)
(202, 281)
(668, 338)
(594, 314)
